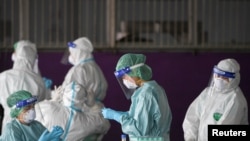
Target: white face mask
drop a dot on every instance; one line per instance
(220, 84)
(71, 60)
(29, 116)
(13, 57)
(129, 85)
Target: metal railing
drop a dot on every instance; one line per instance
(122, 24)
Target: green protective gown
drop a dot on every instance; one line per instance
(149, 113)
(15, 131)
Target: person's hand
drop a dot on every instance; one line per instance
(54, 135)
(45, 136)
(57, 93)
(112, 114)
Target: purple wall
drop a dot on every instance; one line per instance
(183, 75)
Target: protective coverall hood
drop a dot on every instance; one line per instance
(25, 54)
(80, 50)
(231, 65)
(226, 68)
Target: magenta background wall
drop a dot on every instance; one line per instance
(183, 75)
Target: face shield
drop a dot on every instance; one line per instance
(26, 102)
(221, 80)
(126, 82)
(66, 59)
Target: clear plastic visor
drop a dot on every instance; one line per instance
(66, 54)
(123, 74)
(128, 92)
(220, 74)
(25, 102)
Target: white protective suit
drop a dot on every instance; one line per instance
(85, 70)
(217, 106)
(69, 114)
(22, 76)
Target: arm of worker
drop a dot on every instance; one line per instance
(53, 135)
(112, 114)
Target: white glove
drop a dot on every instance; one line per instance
(57, 93)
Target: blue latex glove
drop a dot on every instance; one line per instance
(48, 82)
(54, 135)
(123, 113)
(112, 114)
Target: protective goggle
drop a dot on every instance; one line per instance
(71, 44)
(25, 102)
(220, 72)
(126, 70)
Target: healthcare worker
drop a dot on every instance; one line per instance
(23, 127)
(149, 114)
(222, 102)
(85, 70)
(78, 123)
(21, 76)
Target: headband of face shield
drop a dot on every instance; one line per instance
(26, 102)
(220, 72)
(126, 70)
(71, 44)
(120, 74)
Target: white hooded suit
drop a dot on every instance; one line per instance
(217, 106)
(78, 122)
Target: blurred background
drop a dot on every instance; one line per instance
(182, 39)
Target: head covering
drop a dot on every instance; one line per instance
(81, 49)
(25, 53)
(229, 65)
(26, 49)
(144, 72)
(84, 44)
(14, 98)
(232, 66)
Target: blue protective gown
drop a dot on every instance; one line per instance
(16, 131)
(149, 113)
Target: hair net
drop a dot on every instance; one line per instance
(144, 72)
(16, 97)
